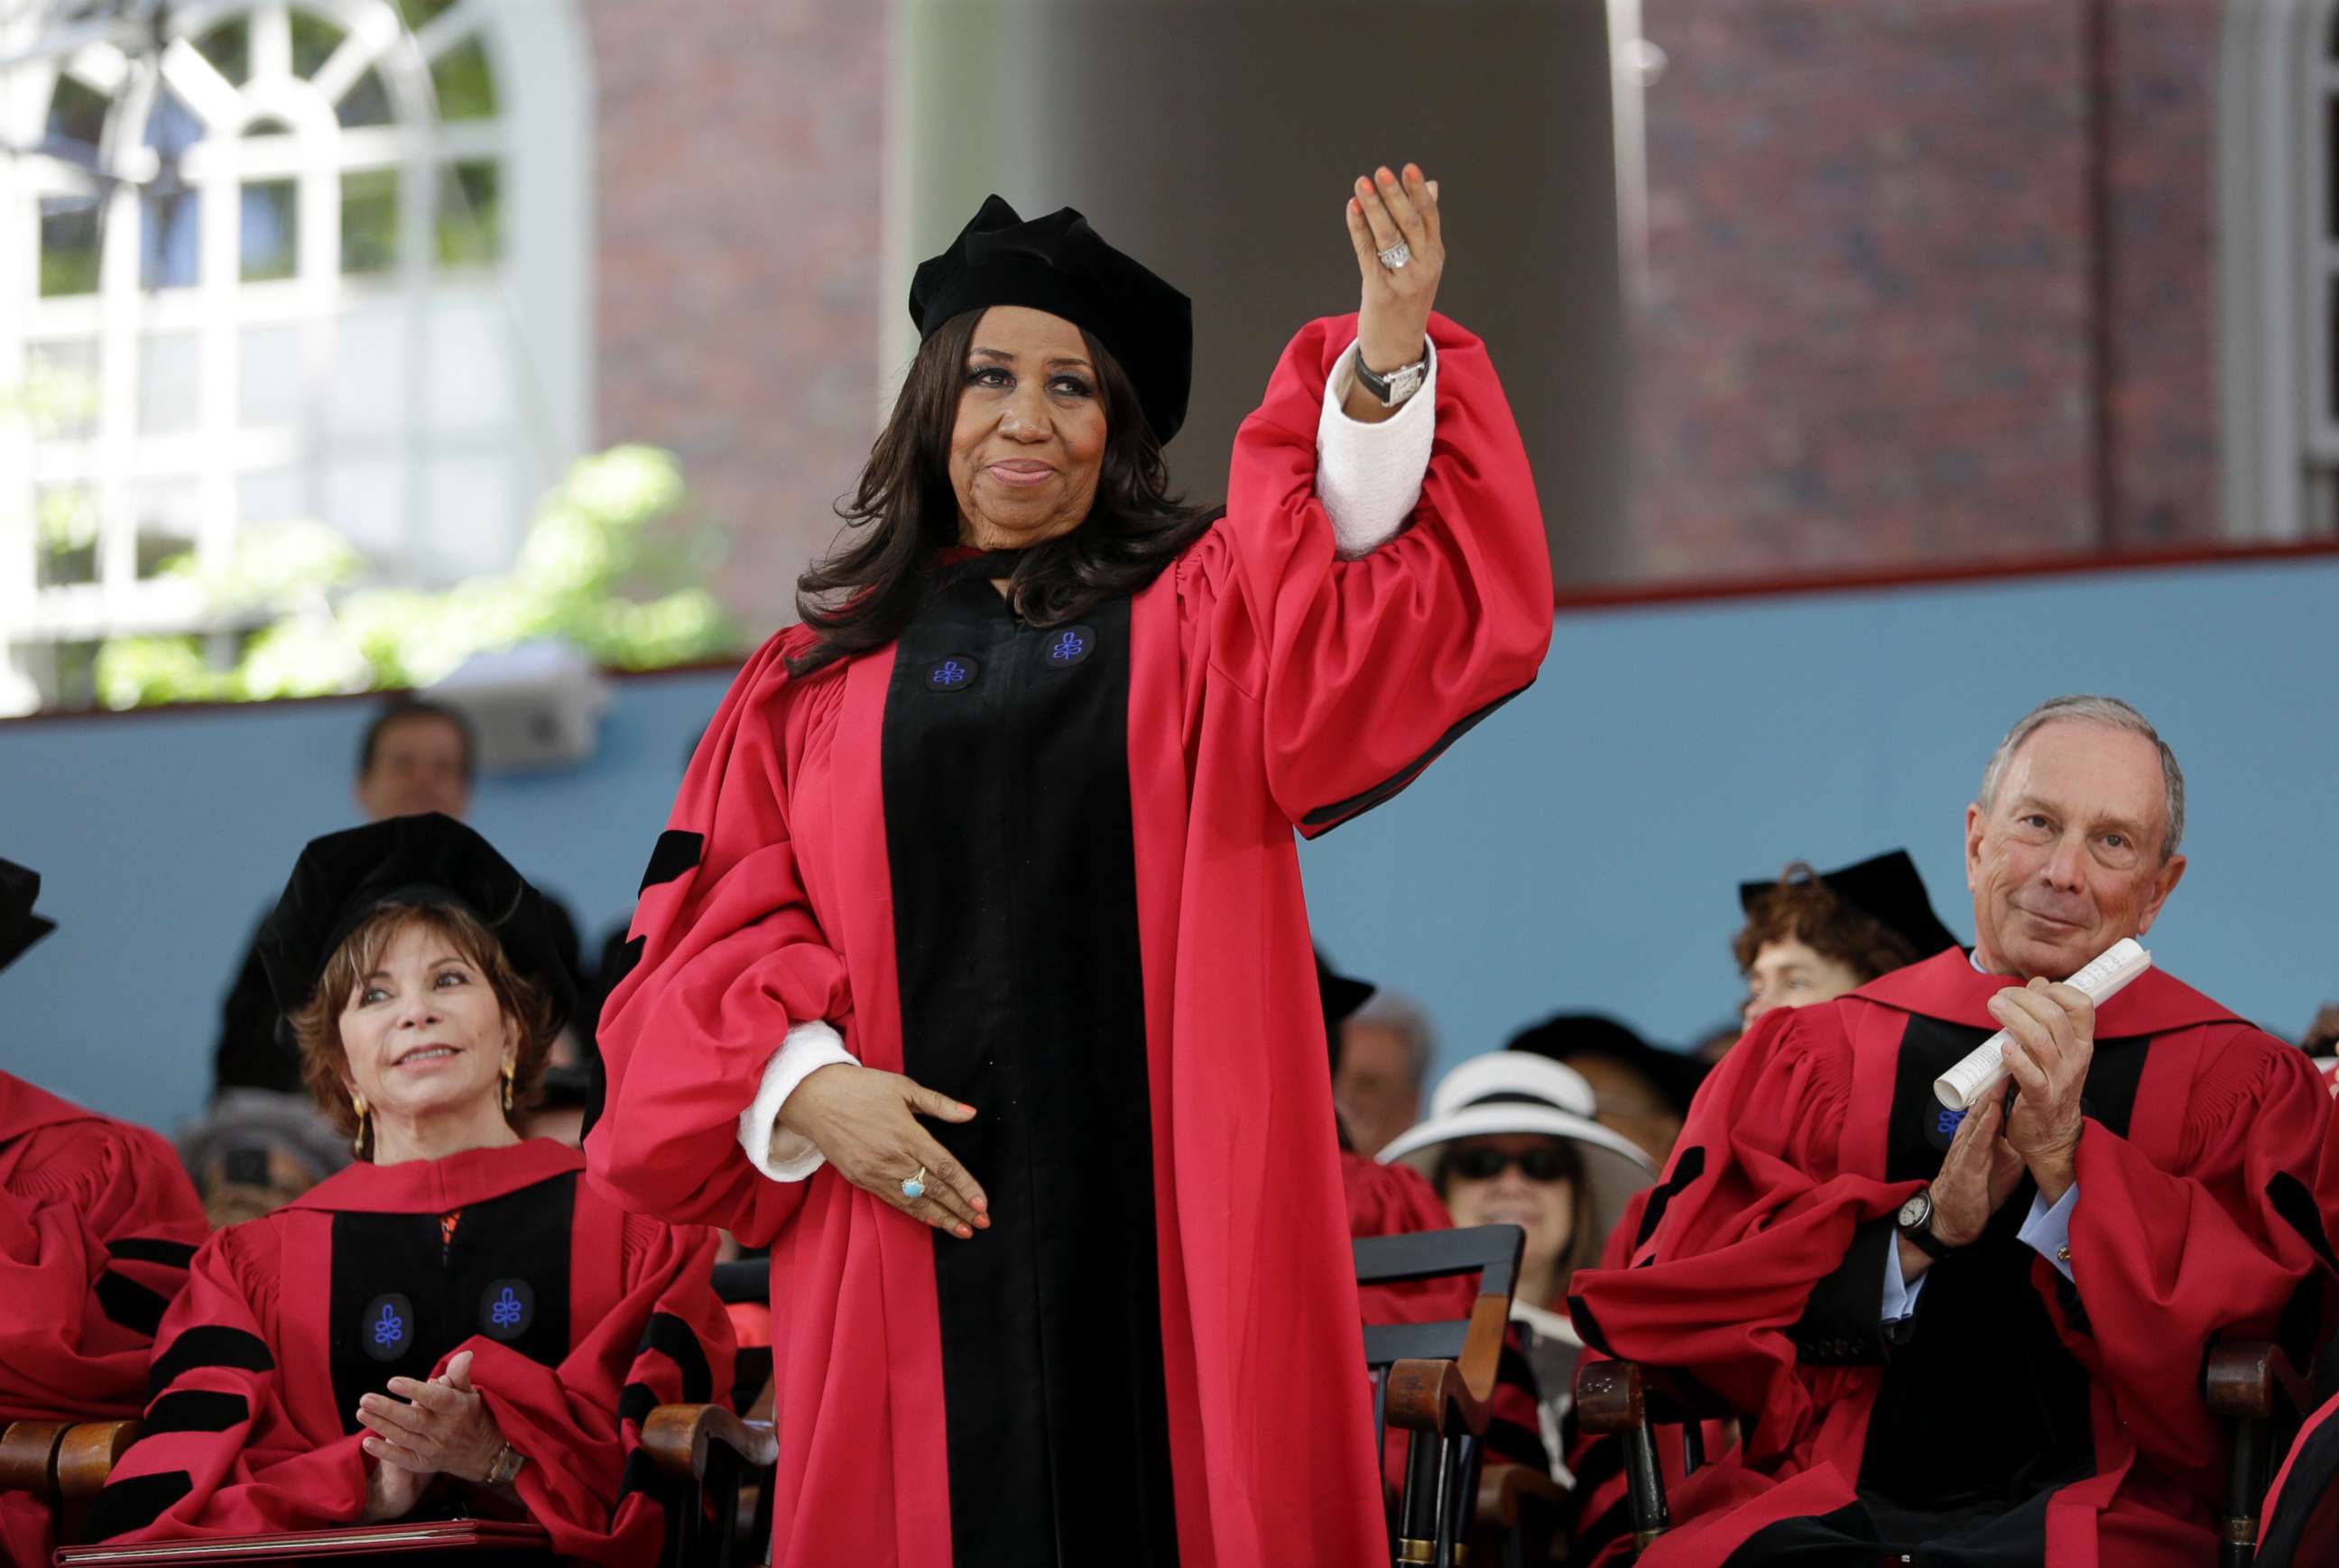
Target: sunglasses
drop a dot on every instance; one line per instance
(1485, 1164)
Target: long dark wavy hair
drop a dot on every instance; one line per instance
(864, 595)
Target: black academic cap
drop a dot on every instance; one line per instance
(1341, 995)
(431, 859)
(1885, 888)
(1060, 265)
(20, 927)
(1565, 1036)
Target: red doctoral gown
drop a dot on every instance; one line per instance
(2065, 1415)
(97, 1222)
(1052, 873)
(580, 1318)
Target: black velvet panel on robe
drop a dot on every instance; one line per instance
(1009, 832)
(401, 1298)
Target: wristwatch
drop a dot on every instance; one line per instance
(1396, 386)
(1915, 1221)
(506, 1469)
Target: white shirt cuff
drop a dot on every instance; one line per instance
(1899, 1296)
(2047, 1231)
(1368, 475)
(779, 1154)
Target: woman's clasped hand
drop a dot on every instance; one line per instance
(864, 1122)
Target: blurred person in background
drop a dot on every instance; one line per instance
(456, 1322)
(1104, 1307)
(97, 1224)
(256, 1151)
(1383, 1064)
(1639, 1090)
(1814, 936)
(1973, 1337)
(1510, 1140)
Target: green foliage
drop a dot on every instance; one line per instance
(588, 574)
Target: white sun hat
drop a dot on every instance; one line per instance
(1514, 1091)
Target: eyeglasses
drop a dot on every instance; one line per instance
(1485, 1162)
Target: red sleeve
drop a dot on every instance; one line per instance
(1750, 1217)
(579, 1424)
(224, 1451)
(2166, 1261)
(97, 1225)
(726, 957)
(1364, 670)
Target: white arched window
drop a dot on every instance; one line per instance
(2278, 267)
(271, 261)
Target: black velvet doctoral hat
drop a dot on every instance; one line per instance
(431, 859)
(1886, 888)
(1341, 995)
(20, 927)
(1060, 265)
(1565, 1036)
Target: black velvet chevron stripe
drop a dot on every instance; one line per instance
(208, 1346)
(676, 853)
(628, 959)
(135, 1502)
(636, 1401)
(2297, 1207)
(151, 1250)
(671, 1337)
(196, 1410)
(1587, 1328)
(130, 1304)
(641, 1474)
(1688, 1166)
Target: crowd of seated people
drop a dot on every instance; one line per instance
(388, 1292)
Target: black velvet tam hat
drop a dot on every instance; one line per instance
(431, 859)
(1341, 995)
(1565, 1036)
(20, 927)
(1886, 888)
(1060, 265)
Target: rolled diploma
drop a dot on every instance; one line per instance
(1984, 1068)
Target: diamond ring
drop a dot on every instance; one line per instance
(1396, 255)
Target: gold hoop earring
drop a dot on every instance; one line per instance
(511, 1070)
(358, 1144)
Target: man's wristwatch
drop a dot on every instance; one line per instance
(1915, 1221)
(1396, 386)
(506, 1469)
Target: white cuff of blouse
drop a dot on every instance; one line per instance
(1368, 475)
(781, 1155)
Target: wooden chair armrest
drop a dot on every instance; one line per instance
(27, 1450)
(1613, 1397)
(678, 1436)
(2250, 1379)
(1503, 1489)
(87, 1455)
(1434, 1396)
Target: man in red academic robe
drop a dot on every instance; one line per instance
(1978, 1340)
(97, 1222)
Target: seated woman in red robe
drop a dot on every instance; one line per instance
(1003, 835)
(97, 1222)
(455, 1321)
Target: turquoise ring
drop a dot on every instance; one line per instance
(915, 1186)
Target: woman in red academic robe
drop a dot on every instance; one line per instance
(1004, 836)
(2041, 1399)
(455, 1321)
(97, 1222)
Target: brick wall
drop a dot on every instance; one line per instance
(740, 145)
(1870, 337)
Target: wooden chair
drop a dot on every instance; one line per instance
(2249, 1384)
(62, 1463)
(1432, 1381)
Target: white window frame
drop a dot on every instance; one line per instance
(2278, 265)
(537, 291)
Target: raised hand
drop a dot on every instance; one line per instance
(1384, 209)
(864, 1122)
